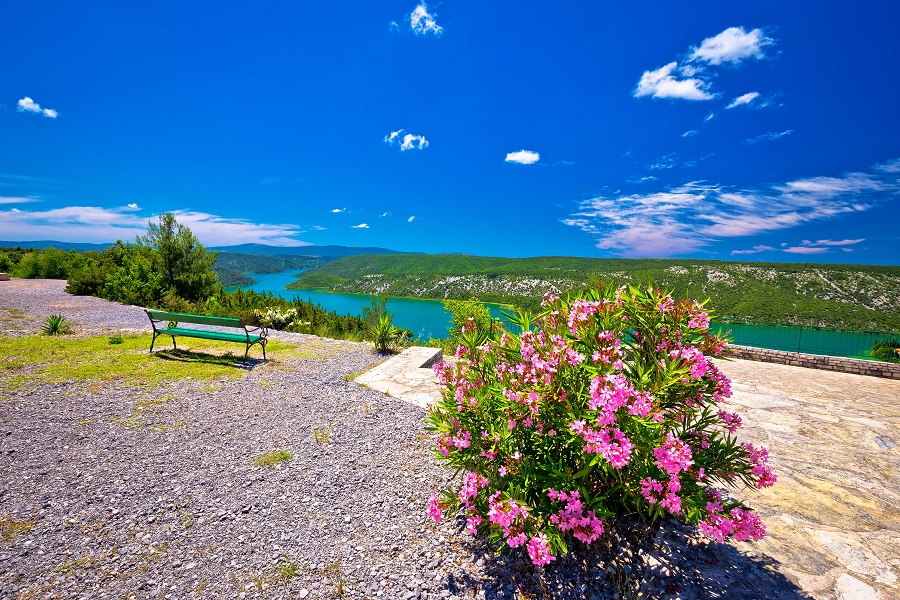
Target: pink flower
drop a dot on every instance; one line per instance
(539, 550)
(473, 522)
(434, 508)
(732, 420)
(760, 458)
(673, 456)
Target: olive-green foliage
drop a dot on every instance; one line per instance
(232, 266)
(185, 265)
(31, 263)
(852, 296)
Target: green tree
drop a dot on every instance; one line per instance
(185, 264)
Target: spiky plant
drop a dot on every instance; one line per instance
(55, 325)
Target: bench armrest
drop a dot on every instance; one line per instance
(263, 331)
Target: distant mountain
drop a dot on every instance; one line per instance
(319, 251)
(322, 251)
(40, 245)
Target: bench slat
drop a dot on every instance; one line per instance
(210, 335)
(199, 319)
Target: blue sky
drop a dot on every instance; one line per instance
(753, 131)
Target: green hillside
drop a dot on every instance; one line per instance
(854, 296)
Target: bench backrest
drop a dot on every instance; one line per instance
(158, 315)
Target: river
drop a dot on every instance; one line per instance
(425, 318)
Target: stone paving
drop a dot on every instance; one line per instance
(834, 515)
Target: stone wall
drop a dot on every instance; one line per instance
(814, 361)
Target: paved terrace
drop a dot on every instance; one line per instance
(834, 515)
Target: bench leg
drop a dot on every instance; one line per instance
(153, 341)
(173, 343)
(264, 349)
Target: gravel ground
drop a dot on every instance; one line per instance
(96, 505)
(176, 508)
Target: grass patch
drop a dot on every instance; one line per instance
(41, 359)
(287, 570)
(272, 458)
(10, 529)
(322, 434)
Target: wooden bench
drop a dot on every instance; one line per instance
(166, 323)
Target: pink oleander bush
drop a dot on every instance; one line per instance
(604, 406)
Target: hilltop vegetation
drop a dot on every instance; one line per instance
(854, 296)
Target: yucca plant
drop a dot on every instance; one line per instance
(55, 325)
(384, 334)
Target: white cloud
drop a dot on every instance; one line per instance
(709, 117)
(360, 226)
(409, 141)
(338, 210)
(662, 84)
(523, 157)
(755, 250)
(385, 214)
(133, 206)
(318, 228)
(732, 46)
(97, 224)
(16, 200)
(26, 104)
(805, 250)
(768, 137)
(839, 242)
(688, 218)
(422, 22)
(411, 219)
(643, 179)
(690, 133)
(745, 99)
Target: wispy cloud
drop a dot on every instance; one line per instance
(664, 162)
(411, 219)
(26, 104)
(97, 224)
(338, 210)
(743, 100)
(805, 250)
(754, 250)
(690, 217)
(523, 157)
(732, 46)
(662, 83)
(839, 242)
(318, 228)
(891, 166)
(768, 137)
(360, 226)
(643, 179)
(385, 214)
(690, 133)
(16, 200)
(132, 206)
(422, 22)
(709, 117)
(408, 141)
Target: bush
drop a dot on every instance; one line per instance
(383, 333)
(55, 325)
(605, 408)
(886, 350)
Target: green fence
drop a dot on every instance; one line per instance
(828, 341)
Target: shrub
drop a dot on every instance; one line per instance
(276, 318)
(605, 406)
(886, 350)
(384, 335)
(55, 325)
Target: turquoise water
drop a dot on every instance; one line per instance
(425, 318)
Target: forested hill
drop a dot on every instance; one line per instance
(855, 296)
